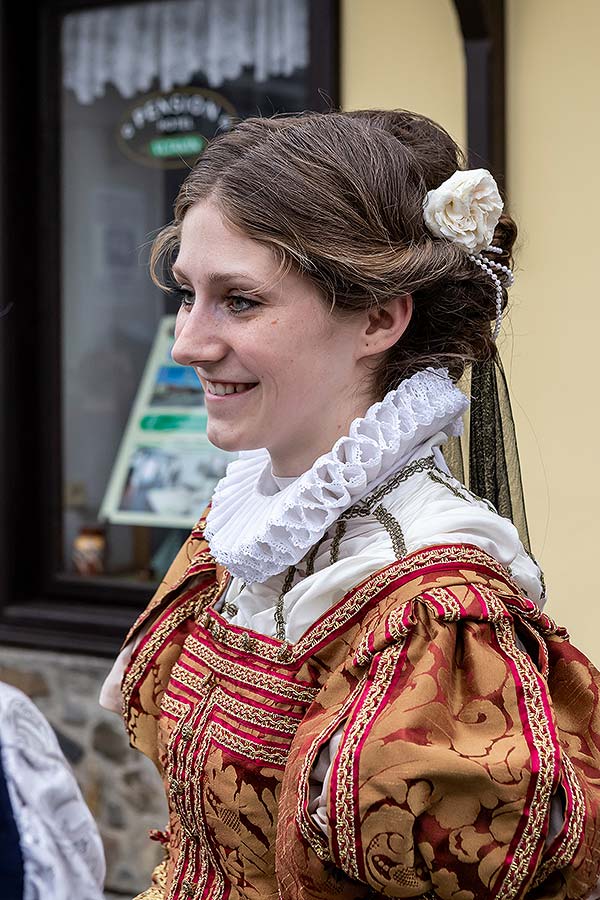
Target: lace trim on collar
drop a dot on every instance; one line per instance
(256, 530)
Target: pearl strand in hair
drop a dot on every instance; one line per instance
(488, 266)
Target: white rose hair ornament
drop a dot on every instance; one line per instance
(465, 209)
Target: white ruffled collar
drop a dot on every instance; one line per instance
(256, 530)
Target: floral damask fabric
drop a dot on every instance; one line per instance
(464, 770)
(453, 751)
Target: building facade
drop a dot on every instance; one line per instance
(103, 464)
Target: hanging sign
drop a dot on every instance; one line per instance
(170, 130)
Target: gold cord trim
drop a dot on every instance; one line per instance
(392, 526)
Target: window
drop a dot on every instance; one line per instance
(130, 94)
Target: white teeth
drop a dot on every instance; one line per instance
(221, 389)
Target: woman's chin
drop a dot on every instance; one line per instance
(232, 442)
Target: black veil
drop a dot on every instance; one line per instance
(489, 446)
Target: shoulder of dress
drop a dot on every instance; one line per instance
(443, 585)
(193, 559)
(199, 528)
(437, 565)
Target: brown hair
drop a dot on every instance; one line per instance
(340, 197)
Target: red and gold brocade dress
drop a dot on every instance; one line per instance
(458, 727)
(464, 709)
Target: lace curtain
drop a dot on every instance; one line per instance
(130, 46)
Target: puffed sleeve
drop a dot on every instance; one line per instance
(451, 770)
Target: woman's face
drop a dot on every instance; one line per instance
(277, 369)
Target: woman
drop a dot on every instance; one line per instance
(345, 678)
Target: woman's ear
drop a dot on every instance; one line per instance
(386, 324)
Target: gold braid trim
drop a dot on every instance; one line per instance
(344, 798)
(527, 849)
(309, 829)
(392, 526)
(566, 851)
(156, 638)
(291, 690)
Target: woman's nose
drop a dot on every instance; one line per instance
(197, 340)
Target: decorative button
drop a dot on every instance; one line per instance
(192, 835)
(177, 788)
(187, 732)
(285, 652)
(248, 643)
(188, 888)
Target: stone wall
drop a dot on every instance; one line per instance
(122, 787)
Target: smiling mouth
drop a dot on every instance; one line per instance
(222, 388)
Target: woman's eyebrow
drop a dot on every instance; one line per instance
(218, 277)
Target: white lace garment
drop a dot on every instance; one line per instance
(62, 853)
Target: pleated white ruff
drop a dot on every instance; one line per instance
(257, 530)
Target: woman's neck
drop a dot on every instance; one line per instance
(294, 458)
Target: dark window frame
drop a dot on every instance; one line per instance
(38, 606)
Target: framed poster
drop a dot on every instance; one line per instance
(166, 468)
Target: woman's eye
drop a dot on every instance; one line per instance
(186, 297)
(241, 304)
